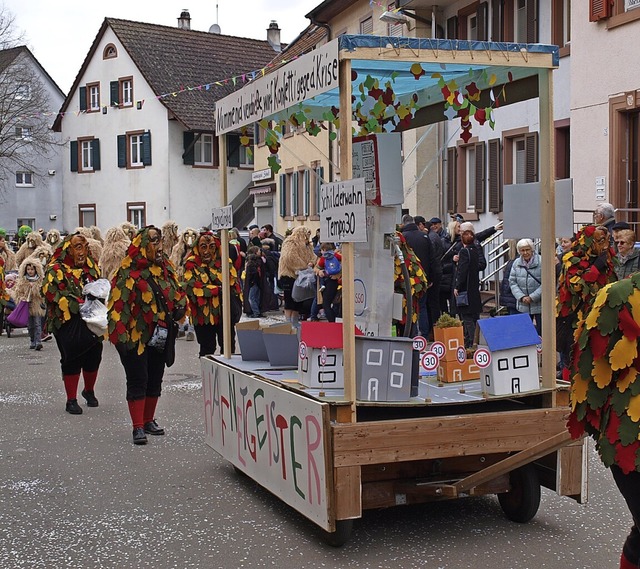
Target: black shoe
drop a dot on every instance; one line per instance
(152, 428)
(73, 407)
(90, 397)
(139, 438)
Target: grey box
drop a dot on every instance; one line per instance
(252, 347)
(282, 344)
(384, 369)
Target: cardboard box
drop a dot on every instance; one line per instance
(452, 338)
(450, 372)
(315, 336)
(252, 347)
(512, 371)
(281, 342)
(385, 369)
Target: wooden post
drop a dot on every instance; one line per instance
(348, 303)
(226, 290)
(547, 229)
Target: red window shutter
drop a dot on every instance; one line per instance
(599, 9)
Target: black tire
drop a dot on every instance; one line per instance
(521, 503)
(342, 534)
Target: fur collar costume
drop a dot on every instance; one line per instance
(30, 289)
(182, 249)
(63, 284)
(53, 238)
(8, 257)
(202, 283)
(32, 242)
(296, 254)
(4, 295)
(580, 280)
(114, 250)
(133, 307)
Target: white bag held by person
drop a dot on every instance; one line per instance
(94, 310)
(304, 286)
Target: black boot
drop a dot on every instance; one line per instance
(139, 436)
(73, 407)
(90, 396)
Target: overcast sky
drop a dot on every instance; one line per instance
(60, 32)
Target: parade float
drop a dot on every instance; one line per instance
(359, 419)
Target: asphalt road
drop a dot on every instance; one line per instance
(76, 493)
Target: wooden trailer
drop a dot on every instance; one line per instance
(331, 456)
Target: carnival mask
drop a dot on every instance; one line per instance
(207, 248)
(154, 247)
(78, 247)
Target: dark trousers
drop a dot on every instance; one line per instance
(144, 372)
(469, 321)
(87, 361)
(629, 486)
(328, 294)
(207, 335)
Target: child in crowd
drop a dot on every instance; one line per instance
(328, 268)
(28, 287)
(254, 269)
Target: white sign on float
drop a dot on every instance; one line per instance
(343, 212)
(222, 218)
(308, 76)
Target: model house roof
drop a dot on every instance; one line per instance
(186, 63)
(507, 332)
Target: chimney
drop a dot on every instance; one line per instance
(184, 21)
(273, 36)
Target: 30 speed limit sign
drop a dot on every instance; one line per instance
(430, 361)
(419, 343)
(439, 349)
(302, 350)
(482, 358)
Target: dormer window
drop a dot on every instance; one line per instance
(110, 52)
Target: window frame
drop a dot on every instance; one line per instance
(20, 133)
(92, 148)
(110, 51)
(121, 92)
(93, 88)
(132, 208)
(509, 138)
(85, 208)
(561, 26)
(23, 183)
(198, 151)
(366, 20)
(479, 190)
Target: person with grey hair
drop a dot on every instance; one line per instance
(604, 215)
(525, 281)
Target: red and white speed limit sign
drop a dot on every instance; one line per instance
(439, 349)
(302, 351)
(419, 343)
(429, 361)
(461, 355)
(482, 357)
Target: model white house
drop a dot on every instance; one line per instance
(512, 342)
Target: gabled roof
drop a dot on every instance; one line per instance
(170, 58)
(8, 57)
(507, 332)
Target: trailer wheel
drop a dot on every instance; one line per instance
(521, 503)
(342, 534)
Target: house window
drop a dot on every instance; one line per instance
(246, 157)
(109, 52)
(518, 20)
(203, 150)
(24, 179)
(561, 24)
(471, 177)
(23, 92)
(29, 221)
(366, 25)
(137, 214)
(292, 194)
(121, 92)
(394, 30)
(93, 92)
(87, 215)
(23, 132)
(521, 158)
(520, 362)
(471, 22)
(134, 149)
(85, 155)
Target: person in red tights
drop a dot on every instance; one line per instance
(69, 270)
(145, 298)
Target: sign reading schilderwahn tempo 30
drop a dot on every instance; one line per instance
(343, 211)
(306, 77)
